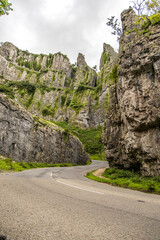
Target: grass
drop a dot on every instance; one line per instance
(7, 91)
(91, 139)
(7, 164)
(128, 179)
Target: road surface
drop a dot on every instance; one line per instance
(61, 204)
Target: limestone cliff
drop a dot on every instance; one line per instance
(27, 138)
(132, 128)
(51, 88)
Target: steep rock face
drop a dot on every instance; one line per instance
(51, 88)
(81, 60)
(27, 138)
(57, 61)
(108, 56)
(132, 130)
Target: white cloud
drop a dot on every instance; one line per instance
(69, 26)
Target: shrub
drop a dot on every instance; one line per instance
(30, 87)
(76, 105)
(114, 74)
(7, 91)
(48, 111)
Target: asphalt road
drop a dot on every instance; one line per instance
(61, 204)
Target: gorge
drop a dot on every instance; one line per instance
(123, 98)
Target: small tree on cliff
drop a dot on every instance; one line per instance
(116, 26)
(153, 6)
(148, 7)
(141, 6)
(5, 7)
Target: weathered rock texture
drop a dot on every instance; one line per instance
(132, 129)
(50, 87)
(25, 138)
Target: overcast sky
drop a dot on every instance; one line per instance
(68, 26)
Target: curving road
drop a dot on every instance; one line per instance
(61, 204)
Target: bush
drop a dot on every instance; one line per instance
(76, 105)
(7, 91)
(82, 88)
(30, 87)
(114, 74)
(63, 99)
(132, 180)
(48, 111)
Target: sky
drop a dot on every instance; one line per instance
(66, 26)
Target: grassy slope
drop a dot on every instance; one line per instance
(6, 164)
(91, 139)
(127, 179)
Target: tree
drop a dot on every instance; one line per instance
(139, 6)
(5, 7)
(116, 26)
(95, 67)
(148, 7)
(153, 6)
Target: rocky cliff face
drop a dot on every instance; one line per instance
(27, 138)
(132, 128)
(51, 88)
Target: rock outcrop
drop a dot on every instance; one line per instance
(132, 128)
(30, 139)
(51, 88)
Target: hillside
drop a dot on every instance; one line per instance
(51, 88)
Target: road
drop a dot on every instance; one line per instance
(61, 204)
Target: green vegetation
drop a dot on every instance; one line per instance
(7, 91)
(5, 7)
(114, 74)
(82, 88)
(67, 82)
(7, 164)
(63, 99)
(23, 88)
(49, 60)
(61, 54)
(127, 179)
(76, 104)
(146, 21)
(143, 23)
(29, 64)
(91, 138)
(155, 19)
(48, 111)
(73, 73)
(106, 57)
(29, 87)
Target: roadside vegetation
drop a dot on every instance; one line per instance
(7, 164)
(91, 139)
(128, 179)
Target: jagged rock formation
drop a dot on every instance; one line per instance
(51, 88)
(27, 138)
(132, 128)
(108, 57)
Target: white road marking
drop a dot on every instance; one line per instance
(51, 174)
(79, 187)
